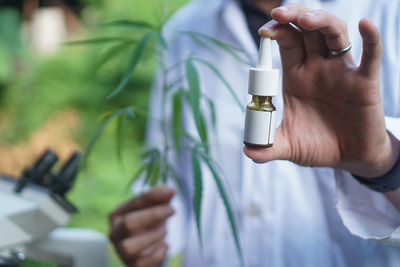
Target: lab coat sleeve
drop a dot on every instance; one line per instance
(366, 213)
(176, 225)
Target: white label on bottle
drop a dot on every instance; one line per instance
(259, 127)
(272, 127)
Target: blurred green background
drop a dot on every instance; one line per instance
(58, 99)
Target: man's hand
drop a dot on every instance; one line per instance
(138, 227)
(333, 114)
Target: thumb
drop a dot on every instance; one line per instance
(372, 49)
(280, 149)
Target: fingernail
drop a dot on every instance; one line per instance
(168, 211)
(311, 15)
(165, 190)
(267, 30)
(282, 9)
(269, 25)
(258, 161)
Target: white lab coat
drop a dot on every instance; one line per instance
(287, 215)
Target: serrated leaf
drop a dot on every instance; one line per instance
(99, 131)
(223, 80)
(111, 53)
(203, 39)
(101, 40)
(152, 158)
(155, 172)
(149, 169)
(104, 122)
(215, 41)
(202, 129)
(135, 24)
(164, 171)
(213, 114)
(134, 60)
(141, 171)
(177, 118)
(198, 193)
(119, 136)
(175, 83)
(130, 113)
(194, 96)
(221, 189)
(236, 53)
(194, 84)
(200, 42)
(147, 154)
(174, 175)
(161, 40)
(195, 142)
(154, 168)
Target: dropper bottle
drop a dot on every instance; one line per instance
(260, 113)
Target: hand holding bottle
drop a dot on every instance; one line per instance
(333, 114)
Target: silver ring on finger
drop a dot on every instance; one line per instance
(338, 53)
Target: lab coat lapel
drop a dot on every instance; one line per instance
(236, 23)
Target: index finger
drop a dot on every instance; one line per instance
(333, 28)
(156, 195)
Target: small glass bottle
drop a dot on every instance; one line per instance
(260, 121)
(260, 113)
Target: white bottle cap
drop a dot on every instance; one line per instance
(264, 80)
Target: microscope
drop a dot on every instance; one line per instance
(33, 210)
